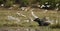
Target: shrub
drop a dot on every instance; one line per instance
(9, 3)
(1, 1)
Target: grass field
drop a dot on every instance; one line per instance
(4, 22)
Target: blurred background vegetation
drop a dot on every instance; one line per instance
(9, 3)
(25, 3)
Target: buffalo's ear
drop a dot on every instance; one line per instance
(37, 19)
(34, 20)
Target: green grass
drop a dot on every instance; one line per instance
(4, 22)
